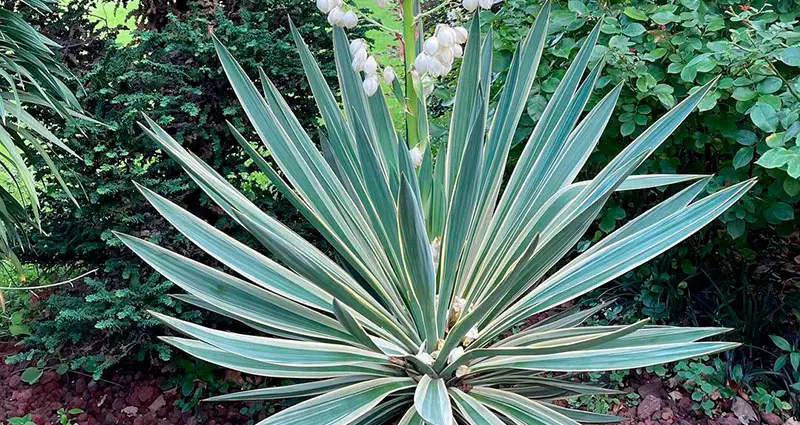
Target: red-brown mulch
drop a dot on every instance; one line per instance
(131, 396)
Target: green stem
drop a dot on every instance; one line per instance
(410, 53)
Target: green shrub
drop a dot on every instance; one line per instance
(662, 52)
(173, 76)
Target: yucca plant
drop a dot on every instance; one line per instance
(438, 262)
(31, 81)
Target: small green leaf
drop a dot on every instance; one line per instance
(783, 212)
(764, 117)
(635, 13)
(791, 56)
(31, 375)
(743, 157)
(781, 342)
(791, 186)
(633, 29)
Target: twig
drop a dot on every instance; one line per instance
(51, 285)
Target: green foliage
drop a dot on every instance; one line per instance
(661, 52)
(172, 75)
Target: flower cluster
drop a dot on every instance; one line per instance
(366, 63)
(440, 50)
(337, 16)
(471, 5)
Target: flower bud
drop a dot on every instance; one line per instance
(425, 358)
(458, 51)
(462, 370)
(471, 335)
(445, 55)
(435, 68)
(455, 354)
(388, 75)
(371, 66)
(486, 4)
(436, 247)
(470, 5)
(459, 304)
(446, 36)
(431, 46)
(325, 6)
(461, 35)
(422, 63)
(415, 155)
(336, 16)
(371, 84)
(381, 3)
(359, 59)
(356, 45)
(350, 20)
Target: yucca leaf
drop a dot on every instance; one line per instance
(269, 330)
(225, 359)
(275, 350)
(432, 401)
(342, 406)
(418, 262)
(607, 359)
(584, 416)
(291, 391)
(518, 408)
(387, 411)
(591, 270)
(548, 343)
(353, 327)
(472, 410)
(239, 257)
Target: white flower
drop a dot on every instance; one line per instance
(461, 35)
(462, 370)
(357, 45)
(471, 335)
(371, 66)
(336, 16)
(425, 358)
(431, 46)
(350, 20)
(459, 304)
(415, 155)
(470, 5)
(457, 50)
(455, 354)
(435, 68)
(447, 67)
(388, 75)
(371, 84)
(381, 3)
(445, 55)
(446, 36)
(422, 63)
(359, 59)
(436, 247)
(486, 4)
(325, 6)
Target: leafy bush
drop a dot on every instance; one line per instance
(171, 74)
(407, 323)
(661, 52)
